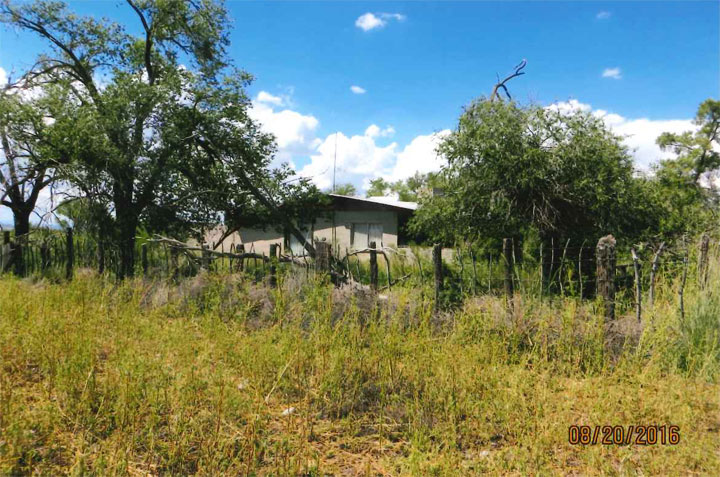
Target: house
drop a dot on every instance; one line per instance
(351, 223)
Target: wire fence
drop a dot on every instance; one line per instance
(560, 268)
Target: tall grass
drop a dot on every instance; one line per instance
(221, 375)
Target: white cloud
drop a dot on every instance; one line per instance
(639, 134)
(359, 157)
(419, 156)
(374, 131)
(3, 76)
(265, 97)
(358, 160)
(613, 73)
(603, 15)
(295, 133)
(357, 89)
(369, 21)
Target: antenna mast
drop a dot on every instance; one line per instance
(334, 162)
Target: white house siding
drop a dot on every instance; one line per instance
(339, 235)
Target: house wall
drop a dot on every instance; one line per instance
(259, 240)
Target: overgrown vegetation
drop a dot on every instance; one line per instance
(518, 170)
(218, 375)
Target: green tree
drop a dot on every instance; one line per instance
(379, 187)
(696, 152)
(511, 169)
(169, 139)
(28, 161)
(685, 184)
(408, 190)
(29, 154)
(345, 189)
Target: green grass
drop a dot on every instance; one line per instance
(152, 378)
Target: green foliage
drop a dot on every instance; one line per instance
(84, 215)
(31, 150)
(170, 144)
(696, 151)
(408, 190)
(345, 189)
(685, 183)
(513, 168)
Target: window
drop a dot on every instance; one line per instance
(376, 235)
(363, 234)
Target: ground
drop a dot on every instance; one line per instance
(218, 375)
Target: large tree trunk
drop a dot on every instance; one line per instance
(126, 227)
(21, 220)
(126, 221)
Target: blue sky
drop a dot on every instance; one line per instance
(644, 66)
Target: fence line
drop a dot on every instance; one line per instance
(563, 268)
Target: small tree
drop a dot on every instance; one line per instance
(30, 156)
(345, 189)
(511, 169)
(409, 190)
(685, 185)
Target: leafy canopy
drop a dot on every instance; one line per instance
(511, 169)
(686, 184)
(168, 141)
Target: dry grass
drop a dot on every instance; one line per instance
(222, 376)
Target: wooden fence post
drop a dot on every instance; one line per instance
(606, 274)
(474, 268)
(144, 259)
(44, 256)
(509, 265)
(580, 277)
(373, 267)
(638, 289)
(5, 252)
(681, 291)
(703, 261)
(101, 256)
(462, 269)
(17, 254)
(561, 268)
(322, 260)
(70, 255)
(653, 273)
(174, 263)
(205, 259)
(437, 266)
(273, 265)
(240, 250)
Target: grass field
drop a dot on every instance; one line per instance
(218, 375)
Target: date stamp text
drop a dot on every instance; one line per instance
(624, 435)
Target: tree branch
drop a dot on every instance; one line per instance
(501, 84)
(148, 42)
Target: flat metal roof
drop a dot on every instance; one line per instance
(389, 201)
